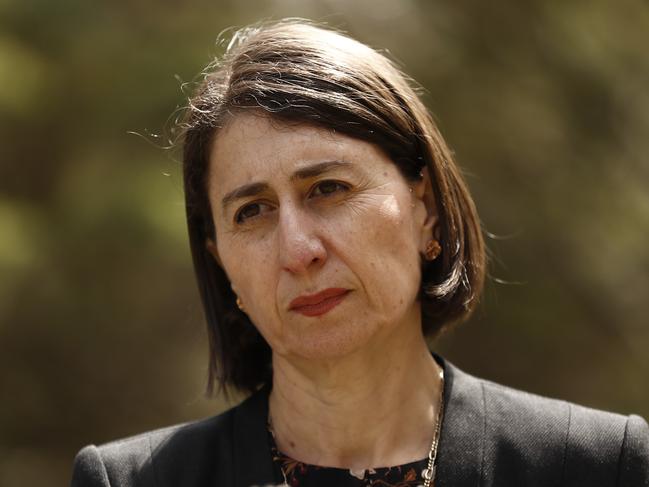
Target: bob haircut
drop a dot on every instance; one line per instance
(297, 72)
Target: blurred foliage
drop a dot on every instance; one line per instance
(545, 103)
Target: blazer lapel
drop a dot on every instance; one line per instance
(462, 437)
(253, 465)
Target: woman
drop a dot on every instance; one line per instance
(332, 234)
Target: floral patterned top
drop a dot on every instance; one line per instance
(300, 474)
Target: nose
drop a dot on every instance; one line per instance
(300, 247)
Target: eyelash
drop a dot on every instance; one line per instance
(340, 187)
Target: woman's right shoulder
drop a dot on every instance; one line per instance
(141, 459)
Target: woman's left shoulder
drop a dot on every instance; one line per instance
(513, 437)
(589, 443)
(500, 400)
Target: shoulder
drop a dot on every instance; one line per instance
(142, 459)
(510, 409)
(526, 436)
(589, 446)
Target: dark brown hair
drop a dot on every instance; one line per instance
(297, 72)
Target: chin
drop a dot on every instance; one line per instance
(330, 343)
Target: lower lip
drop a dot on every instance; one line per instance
(322, 307)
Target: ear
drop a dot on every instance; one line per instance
(210, 245)
(427, 216)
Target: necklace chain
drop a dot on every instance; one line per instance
(428, 474)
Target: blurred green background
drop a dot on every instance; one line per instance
(545, 103)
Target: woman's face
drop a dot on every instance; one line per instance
(300, 210)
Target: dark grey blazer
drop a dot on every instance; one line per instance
(491, 436)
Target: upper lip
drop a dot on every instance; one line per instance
(311, 299)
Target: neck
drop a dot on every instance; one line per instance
(372, 408)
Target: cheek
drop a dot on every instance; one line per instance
(386, 245)
(392, 229)
(390, 210)
(248, 267)
(246, 260)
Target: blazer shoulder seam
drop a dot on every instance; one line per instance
(484, 432)
(565, 446)
(154, 466)
(619, 458)
(96, 452)
(103, 466)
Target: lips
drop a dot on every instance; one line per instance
(319, 303)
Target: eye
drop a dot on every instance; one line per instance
(249, 211)
(327, 188)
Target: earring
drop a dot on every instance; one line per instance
(433, 249)
(239, 303)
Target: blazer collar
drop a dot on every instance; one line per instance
(253, 465)
(462, 438)
(461, 443)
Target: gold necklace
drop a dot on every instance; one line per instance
(428, 474)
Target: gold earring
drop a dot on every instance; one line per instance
(433, 249)
(239, 303)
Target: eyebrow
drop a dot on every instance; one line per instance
(253, 189)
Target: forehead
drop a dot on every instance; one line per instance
(256, 148)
